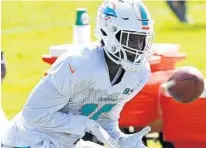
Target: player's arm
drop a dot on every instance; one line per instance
(110, 120)
(44, 107)
(42, 110)
(50, 95)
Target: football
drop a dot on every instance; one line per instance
(186, 84)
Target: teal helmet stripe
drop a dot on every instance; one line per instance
(143, 14)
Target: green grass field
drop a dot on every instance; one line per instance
(29, 28)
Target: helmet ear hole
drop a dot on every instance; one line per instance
(102, 43)
(103, 32)
(118, 35)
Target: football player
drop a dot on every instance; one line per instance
(86, 89)
(3, 118)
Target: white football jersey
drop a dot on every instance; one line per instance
(77, 84)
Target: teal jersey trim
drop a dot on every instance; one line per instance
(88, 109)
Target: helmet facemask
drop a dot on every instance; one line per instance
(129, 48)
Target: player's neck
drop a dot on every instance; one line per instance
(116, 72)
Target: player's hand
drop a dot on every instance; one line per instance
(134, 140)
(95, 128)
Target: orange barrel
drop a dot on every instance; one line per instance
(184, 124)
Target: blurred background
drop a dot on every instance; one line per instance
(28, 28)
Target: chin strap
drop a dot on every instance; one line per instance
(117, 75)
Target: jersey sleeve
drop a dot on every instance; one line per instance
(60, 75)
(49, 96)
(42, 110)
(109, 121)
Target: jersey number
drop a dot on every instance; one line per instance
(88, 109)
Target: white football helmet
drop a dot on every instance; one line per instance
(126, 29)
